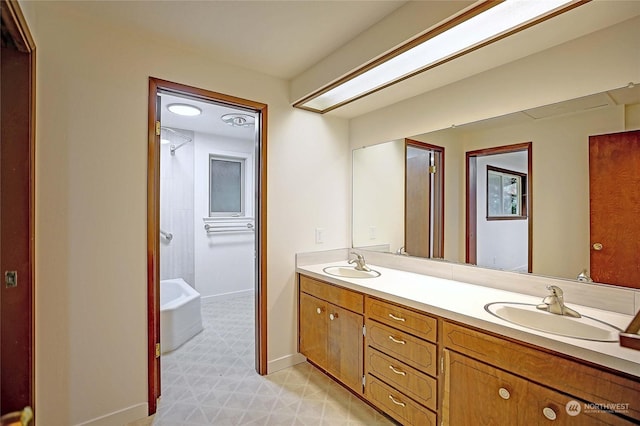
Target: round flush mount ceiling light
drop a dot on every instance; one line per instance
(238, 120)
(184, 109)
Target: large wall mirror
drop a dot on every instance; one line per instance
(559, 136)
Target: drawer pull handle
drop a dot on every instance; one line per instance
(395, 401)
(319, 310)
(549, 413)
(401, 342)
(395, 370)
(333, 316)
(504, 394)
(396, 318)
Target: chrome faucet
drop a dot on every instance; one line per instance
(360, 263)
(554, 303)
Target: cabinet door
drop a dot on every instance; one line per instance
(551, 407)
(313, 329)
(345, 347)
(477, 394)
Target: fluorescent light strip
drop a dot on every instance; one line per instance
(476, 30)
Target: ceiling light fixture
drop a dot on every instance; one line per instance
(238, 120)
(184, 109)
(484, 24)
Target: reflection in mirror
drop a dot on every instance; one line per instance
(424, 200)
(378, 196)
(498, 227)
(559, 135)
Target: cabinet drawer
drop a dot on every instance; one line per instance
(405, 319)
(397, 405)
(406, 379)
(403, 346)
(337, 295)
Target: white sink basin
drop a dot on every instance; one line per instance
(350, 272)
(526, 315)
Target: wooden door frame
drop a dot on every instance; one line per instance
(471, 205)
(20, 307)
(153, 225)
(423, 145)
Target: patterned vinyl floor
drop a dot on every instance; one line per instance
(211, 380)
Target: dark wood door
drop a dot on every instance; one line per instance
(418, 206)
(614, 196)
(16, 212)
(424, 199)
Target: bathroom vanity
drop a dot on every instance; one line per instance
(424, 351)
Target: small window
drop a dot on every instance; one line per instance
(506, 194)
(226, 186)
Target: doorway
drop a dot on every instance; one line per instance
(236, 207)
(424, 200)
(17, 192)
(499, 224)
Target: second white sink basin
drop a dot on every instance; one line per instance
(526, 315)
(350, 272)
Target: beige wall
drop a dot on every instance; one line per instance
(92, 88)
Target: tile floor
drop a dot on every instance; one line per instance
(211, 380)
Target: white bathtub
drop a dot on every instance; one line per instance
(180, 316)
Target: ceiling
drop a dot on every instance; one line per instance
(286, 39)
(278, 38)
(210, 121)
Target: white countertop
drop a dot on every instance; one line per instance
(465, 303)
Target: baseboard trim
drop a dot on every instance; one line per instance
(120, 417)
(285, 362)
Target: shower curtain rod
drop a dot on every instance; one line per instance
(174, 147)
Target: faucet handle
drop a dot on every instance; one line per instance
(358, 256)
(555, 290)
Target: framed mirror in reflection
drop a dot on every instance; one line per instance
(560, 227)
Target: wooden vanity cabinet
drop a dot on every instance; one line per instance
(401, 361)
(331, 330)
(425, 370)
(490, 380)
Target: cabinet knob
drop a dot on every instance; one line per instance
(319, 310)
(504, 393)
(333, 316)
(597, 246)
(549, 413)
